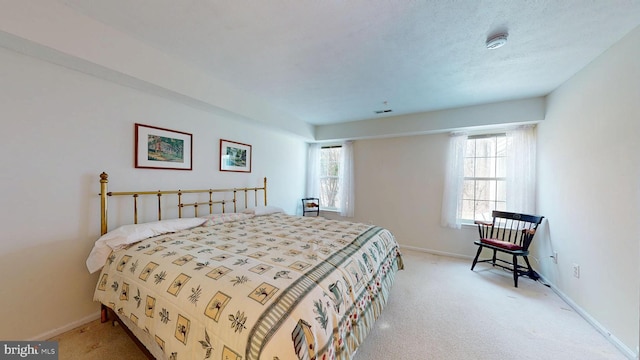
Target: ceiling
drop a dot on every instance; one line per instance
(328, 62)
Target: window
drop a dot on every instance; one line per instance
(485, 176)
(330, 160)
(330, 177)
(489, 172)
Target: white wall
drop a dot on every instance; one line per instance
(60, 130)
(399, 181)
(399, 184)
(589, 180)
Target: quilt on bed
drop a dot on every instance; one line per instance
(255, 287)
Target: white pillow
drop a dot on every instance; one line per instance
(129, 234)
(214, 219)
(263, 210)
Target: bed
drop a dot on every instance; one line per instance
(247, 283)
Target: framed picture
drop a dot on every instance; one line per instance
(235, 156)
(158, 148)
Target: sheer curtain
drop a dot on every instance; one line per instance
(521, 169)
(346, 180)
(454, 181)
(313, 171)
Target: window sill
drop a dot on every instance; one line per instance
(468, 224)
(330, 210)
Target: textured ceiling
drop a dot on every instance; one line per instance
(335, 61)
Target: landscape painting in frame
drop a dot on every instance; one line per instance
(235, 156)
(158, 148)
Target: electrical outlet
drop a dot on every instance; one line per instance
(576, 271)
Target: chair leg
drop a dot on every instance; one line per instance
(529, 269)
(475, 260)
(530, 273)
(494, 258)
(515, 270)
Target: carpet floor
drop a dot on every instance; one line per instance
(438, 309)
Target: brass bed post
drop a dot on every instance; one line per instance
(235, 207)
(265, 191)
(135, 208)
(104, 179)
(159, 205)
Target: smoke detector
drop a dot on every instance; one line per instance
(496, 41)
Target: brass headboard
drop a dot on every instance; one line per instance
(104, 194)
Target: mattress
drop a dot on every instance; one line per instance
(254, 287)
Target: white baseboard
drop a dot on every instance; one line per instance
(593, 322)
(601, 329)
(436, 252)
(61, 330)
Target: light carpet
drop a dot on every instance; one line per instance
(438, 309)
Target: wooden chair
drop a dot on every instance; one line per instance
(510, 233)
(311, 205)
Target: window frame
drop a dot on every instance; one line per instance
(323, 206)
(498, 179)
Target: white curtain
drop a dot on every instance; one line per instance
(313, 171)
(346, 181)
(454, 181)
(521, 169)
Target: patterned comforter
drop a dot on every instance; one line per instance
(262, 287)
